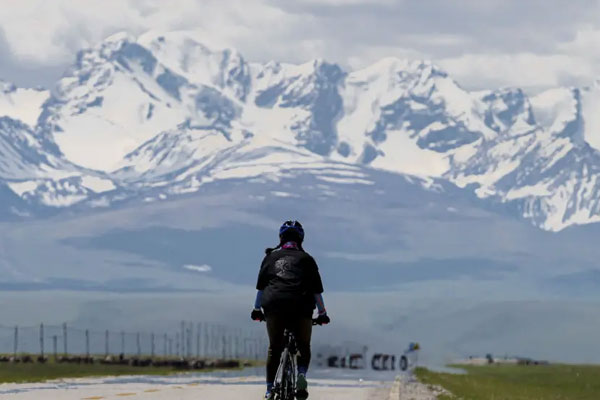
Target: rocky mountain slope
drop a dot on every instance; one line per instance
(161, 115)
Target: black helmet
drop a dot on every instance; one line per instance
(292, 230)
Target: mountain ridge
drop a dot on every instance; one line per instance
(163, 112)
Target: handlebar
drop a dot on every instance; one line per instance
(314, 321)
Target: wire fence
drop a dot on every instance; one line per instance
(189, 340)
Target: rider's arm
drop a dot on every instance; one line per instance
(317, 287)
(261, 283)
(320, 304)
(258, 300)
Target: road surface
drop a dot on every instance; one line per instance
(197, 386)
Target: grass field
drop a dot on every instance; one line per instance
(37, 372)
(34, 372)
(516, 382)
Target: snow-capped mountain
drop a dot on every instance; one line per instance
(163, 114)
(21, 104)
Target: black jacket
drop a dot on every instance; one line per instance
(289, 279)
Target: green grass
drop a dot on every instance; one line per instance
(516, 382)
(36, 372)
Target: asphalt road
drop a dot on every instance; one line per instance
(183, 387)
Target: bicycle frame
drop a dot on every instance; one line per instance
(284, 386)
(285, 379)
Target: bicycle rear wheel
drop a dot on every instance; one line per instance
(288, 381)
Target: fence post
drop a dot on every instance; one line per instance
(182, 339)
(65, 338)
(122, 342)
(87, 343)
(42, 341)
(139, 346)
(165, 345)
(224, 339)
(190, 330)
(152, 345)
(55, 346)
(16, 341)
(106, 348)
(198, 329)
(230, 343)
(211, 342)
(205, 353)
(238, 343)
(215, 340)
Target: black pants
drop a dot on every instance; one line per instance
(302, 329)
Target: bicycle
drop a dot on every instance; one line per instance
(285, 379)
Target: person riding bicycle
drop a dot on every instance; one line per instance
(289, 289)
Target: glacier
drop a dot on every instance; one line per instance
(165, 112)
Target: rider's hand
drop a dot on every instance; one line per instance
(257, 315)
(323, 319)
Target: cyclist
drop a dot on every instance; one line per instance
(289, 288)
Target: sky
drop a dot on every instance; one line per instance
(482, 43)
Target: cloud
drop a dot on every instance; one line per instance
(527, 70)
(198, 268)
(585, 43)
(42, 31)
(558, 39)
(341, 3)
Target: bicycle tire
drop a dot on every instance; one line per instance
(285, 385)
(288, 381)
(403, 363)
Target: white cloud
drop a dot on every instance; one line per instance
(363, 57)
(52, 31)
(496, 42)
(521, 70)
(586, 43)
(198, 268)
(339, 3)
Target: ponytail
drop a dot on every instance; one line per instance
(269, 250)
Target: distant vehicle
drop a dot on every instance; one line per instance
(410, 357)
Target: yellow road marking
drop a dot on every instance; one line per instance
(151, 390)
(126, 394)
(93, 398)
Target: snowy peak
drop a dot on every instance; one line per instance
(121, 94)
(165, 114)
(508, 109)
(590, 104)
(183, 54)
(310, 94)
(22, 104)
(559, 112)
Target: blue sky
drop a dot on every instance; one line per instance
(482, 43)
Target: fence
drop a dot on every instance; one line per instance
(189, 340)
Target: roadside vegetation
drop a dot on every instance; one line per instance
(34, 371)
(518, 382)
(37, 372)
